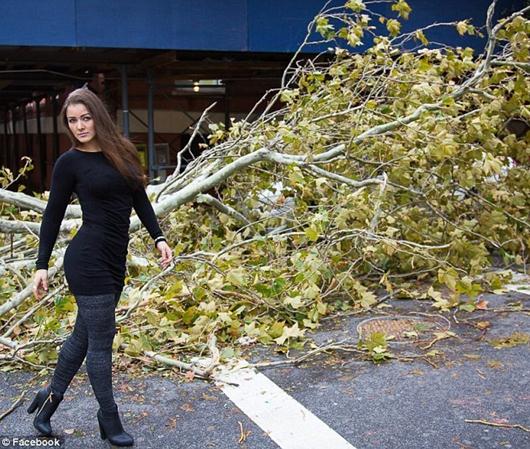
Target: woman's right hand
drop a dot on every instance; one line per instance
(40, 283)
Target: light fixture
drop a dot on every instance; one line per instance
(193, 87)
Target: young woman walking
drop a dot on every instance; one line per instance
(104, 171)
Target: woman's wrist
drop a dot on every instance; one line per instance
(160, 238)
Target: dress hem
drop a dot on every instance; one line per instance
(95, 292)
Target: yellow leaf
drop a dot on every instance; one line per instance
(237, 277)
(461, 27)
(294, 301)
(355, 5)
(290, 332)
(421, 37)
(402, 8)
(393, 26)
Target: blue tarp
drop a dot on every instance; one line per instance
(228, 25)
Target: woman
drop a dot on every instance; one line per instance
(104, 170)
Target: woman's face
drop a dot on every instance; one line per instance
(81, 124)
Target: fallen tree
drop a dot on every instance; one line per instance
(398, 172)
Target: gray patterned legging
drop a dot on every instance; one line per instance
(93, 334)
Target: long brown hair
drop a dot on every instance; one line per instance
(119, 150)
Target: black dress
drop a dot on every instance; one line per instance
(94, 262)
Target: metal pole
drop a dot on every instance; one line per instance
(5, 156)
(15, 138)
(227, 106)
(42, 148)
(125, 100)
(26, 135)
(9, 118)
(55, 107)
(28, 151)
(150, 124)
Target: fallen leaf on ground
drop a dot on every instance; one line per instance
(482, 304)
(187, 407)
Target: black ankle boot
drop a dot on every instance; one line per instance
(47, 402)
(110, 427)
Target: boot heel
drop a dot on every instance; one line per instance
(47, 402)
(110, 428)
(34, 404)
(102, 433)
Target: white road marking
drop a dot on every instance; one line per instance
(525, 289)
(519, 283)
(287, 422)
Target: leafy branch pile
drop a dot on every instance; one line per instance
(395, 171)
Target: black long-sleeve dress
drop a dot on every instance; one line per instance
(94, 262)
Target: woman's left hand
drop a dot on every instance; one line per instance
(165, 251)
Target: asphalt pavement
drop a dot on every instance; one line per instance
(409, 402)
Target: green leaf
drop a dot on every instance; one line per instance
(323, 27)
(174, 289)
(276, 329)
(312, 233)
(468, 307)
(227, 353)
(190, 315)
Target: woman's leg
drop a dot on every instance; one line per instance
(98, 313)
(71, 356)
